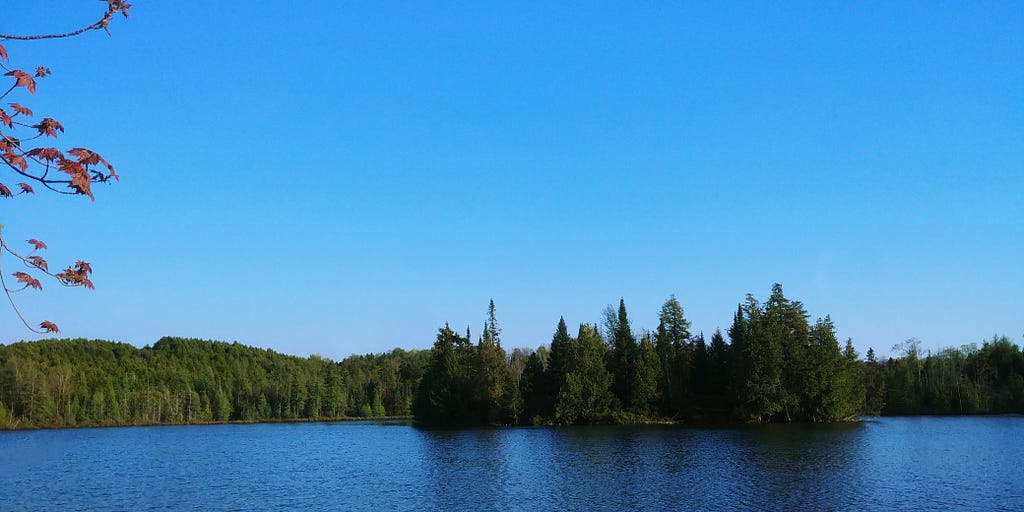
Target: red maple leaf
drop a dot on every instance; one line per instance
(83, 267)
(41, 72)
(23, 80)
(82, 184)
(36, 243)
(16, 160)
(49, 326)
(85, 156)
(4, 191)
(3, 53)
(26, 188)
(27, 280)
(6, 119)
(25, 111)
(49, 127)
(48, 154)
(38, 262)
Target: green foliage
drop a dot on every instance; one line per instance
(467, 384)
(778, 367)
(969, 380)
(784, 370)
(89, 382)
(676, 357)
(586, 396)
(647, 373)
(622, 359)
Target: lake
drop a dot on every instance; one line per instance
(962, 463)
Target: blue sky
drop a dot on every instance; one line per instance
(345, 177)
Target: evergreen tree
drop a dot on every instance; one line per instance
(491, 329)
(442, 394)
(646, 375)
(874, 399)
(556, 368)
(675, 355)
(719, 363)
(623, 357)
(586, 396)
(757, 385)
(785, 332)
(533, 390)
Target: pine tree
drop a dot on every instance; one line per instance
(675, 355)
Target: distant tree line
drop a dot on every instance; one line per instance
(969, 380)
(776, 366)
(87, 382)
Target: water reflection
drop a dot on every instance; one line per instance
(887, 464)
(654, 468)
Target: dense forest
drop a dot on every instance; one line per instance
(775, 366)
(83, 382)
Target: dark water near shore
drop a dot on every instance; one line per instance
(966, 463)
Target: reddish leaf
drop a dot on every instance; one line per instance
(82, 184)
(83, 267)
(26, 188)
(49, 326)
(70, 167)
(39, 262)
(41, 72)
(86, 157)
(118, 6)
(23, 80)
(6, 119)
(4, 191)
(27, 280)
(3, 53)
(15, 160)
(37, 244)
(25, 111)
(49, 127)
(48, 154)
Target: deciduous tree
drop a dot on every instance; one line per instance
(30, 160)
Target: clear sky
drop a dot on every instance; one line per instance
(345, 177)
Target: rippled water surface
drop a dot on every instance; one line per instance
(974, 463)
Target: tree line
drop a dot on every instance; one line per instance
(771, 365)
(778, 367)
(78, 382)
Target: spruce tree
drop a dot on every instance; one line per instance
(623, 358)
(556, 369)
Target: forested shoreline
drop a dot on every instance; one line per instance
(776, 366)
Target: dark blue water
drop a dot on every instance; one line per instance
(972, 463)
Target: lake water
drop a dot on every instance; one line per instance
(972, 463)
